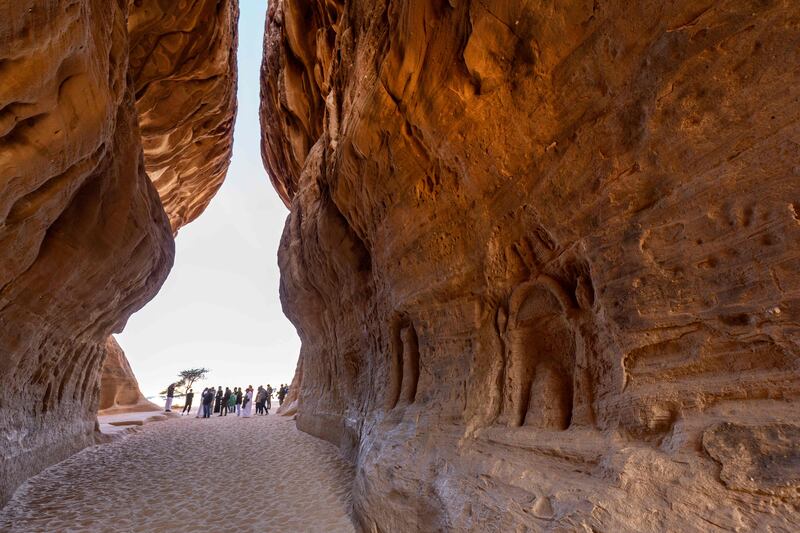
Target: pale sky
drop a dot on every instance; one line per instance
(219, 308)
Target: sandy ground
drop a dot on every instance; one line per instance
(189, 474)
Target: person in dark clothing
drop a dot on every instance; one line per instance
(219, 400)
(269, 397)
(170, 395)
(281, 394)
(188, 407)
(223, 409)
(239, 401)
(261, 399)
(208, 399)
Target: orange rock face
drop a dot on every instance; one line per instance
(119, 390)
(84, 239)
(543, 257)
(183, 64)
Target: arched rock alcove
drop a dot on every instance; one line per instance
(541, 358)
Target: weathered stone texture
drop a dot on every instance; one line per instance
(183, 64)
(538, 251)
(119, 389)
(84, 239)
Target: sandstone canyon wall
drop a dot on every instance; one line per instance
(183, 65)
(84, 238)
(543, 257)
(119, 389)
(182, 61)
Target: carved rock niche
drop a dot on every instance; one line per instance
(404, 368)
(540, 359)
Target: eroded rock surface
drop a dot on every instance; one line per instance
(119, 389)
(543, 256)
(183, 63)
(84, 239)
(757, 458)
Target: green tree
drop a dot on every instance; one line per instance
(187, 379)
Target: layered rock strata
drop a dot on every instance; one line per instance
(84, 238)
(119, 389)
(182, 61)
(543, 257)
(183, 65)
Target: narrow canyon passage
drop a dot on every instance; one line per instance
(189, 474)
(541, 260)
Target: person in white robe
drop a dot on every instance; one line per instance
(247, 403)
(200, 407)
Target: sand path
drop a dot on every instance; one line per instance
(189, 474)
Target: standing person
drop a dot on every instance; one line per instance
(208, 399)
(247, 403)
(269, 397)
(281, 394)
(232, 401)
(260, 400)
(200, 405)
(238, 401)
(188, 407)
(223, 409)
(218, 402)
(170, 394)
